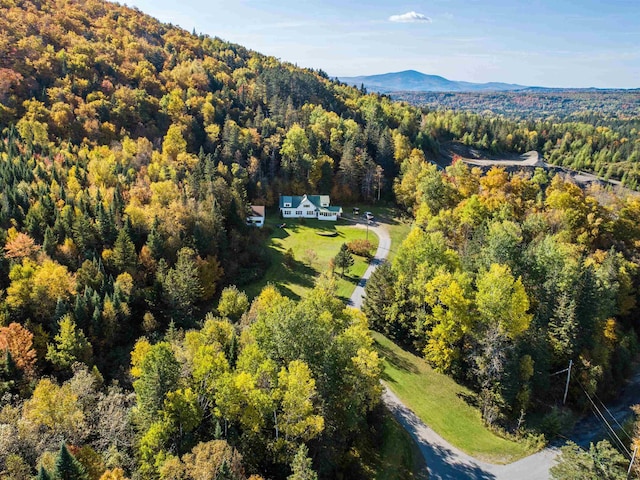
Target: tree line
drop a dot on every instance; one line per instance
(505, 278)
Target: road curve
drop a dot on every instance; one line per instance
(384, 244)
(444, 461)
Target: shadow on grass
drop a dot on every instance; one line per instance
(442, 461)
(296, 273)
(279, 233)
(469, 399)
(395, 360)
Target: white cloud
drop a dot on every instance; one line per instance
(410, 17)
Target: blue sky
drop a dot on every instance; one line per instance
(555, 43)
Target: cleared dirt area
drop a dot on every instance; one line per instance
(530, 160)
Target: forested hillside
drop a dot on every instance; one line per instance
(589, 142)
(130, 152)
(597, 132)
(505, 278)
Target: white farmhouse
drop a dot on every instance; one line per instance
(309, 206)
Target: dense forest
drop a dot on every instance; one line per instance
(505, 278)
(533, 103)
(130, 151)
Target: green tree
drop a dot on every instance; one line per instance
(600, 462)
(43, 474)
(379, 297)
(70, 345)
(67, 467)
(124, 253)
(344, 259)
(301, 467)
(233, 303)
(159, 372)
(181, 284)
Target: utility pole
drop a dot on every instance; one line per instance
(566, 388)
(635, 450)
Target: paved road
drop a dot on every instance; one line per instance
(446, 462)
(384, 244)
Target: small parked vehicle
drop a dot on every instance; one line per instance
(368, 215)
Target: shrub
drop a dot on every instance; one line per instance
(361, 247)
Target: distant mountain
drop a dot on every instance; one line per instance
(412, 81)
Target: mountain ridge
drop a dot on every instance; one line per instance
(412, 80)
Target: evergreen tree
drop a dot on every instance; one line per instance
(67, 467)
(154, 240)
(344, 259)
(43, 474)
(8, 373)
(50, 241)
(125, 258)
(70, 345)
(379, 297)
(301, 466)
(181, 284)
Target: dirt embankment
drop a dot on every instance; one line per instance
(513, 162)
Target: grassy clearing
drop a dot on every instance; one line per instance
(443, 405)
(389, 452)
(313, 243)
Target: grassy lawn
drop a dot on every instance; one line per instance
(397, 457)
(314, 243)
(440, 403)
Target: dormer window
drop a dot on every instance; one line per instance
(287, 204)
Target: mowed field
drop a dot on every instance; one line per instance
(313, 244)
(443, 405)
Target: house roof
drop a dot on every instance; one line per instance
(257, 210)
(295, 201)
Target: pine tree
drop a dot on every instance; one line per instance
(68, 467)
(61, 309)
(154, 240)
(50, 241)
(7, 373)
(344, 259)
(301, 466)
(43, 474)
(379, 297)
(124, 253)
(70, 345)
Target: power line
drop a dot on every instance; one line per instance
(613, 417)
(620, 442)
